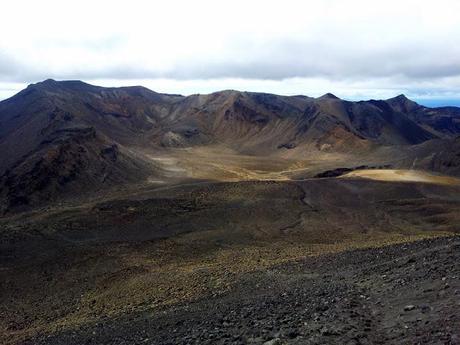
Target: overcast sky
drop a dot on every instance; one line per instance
(354, 49)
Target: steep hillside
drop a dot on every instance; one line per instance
(57, 138)
(69, 162)
(438, 155)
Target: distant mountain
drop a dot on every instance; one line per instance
(60, 137)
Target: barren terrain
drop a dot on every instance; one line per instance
(69, 268)
(133, 217)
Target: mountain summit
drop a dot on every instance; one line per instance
(328, 96)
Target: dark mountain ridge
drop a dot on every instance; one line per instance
(64, 136)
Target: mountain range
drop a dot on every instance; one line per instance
(61, 138)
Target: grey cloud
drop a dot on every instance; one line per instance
(275, 60)
(9, 68)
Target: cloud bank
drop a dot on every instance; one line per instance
(355, 48)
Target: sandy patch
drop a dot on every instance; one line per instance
(395, 175)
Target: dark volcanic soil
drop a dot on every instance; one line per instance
(400, 294)
(132, 217)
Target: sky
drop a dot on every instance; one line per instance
(355, 49)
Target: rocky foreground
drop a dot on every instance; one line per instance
(400, 294)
